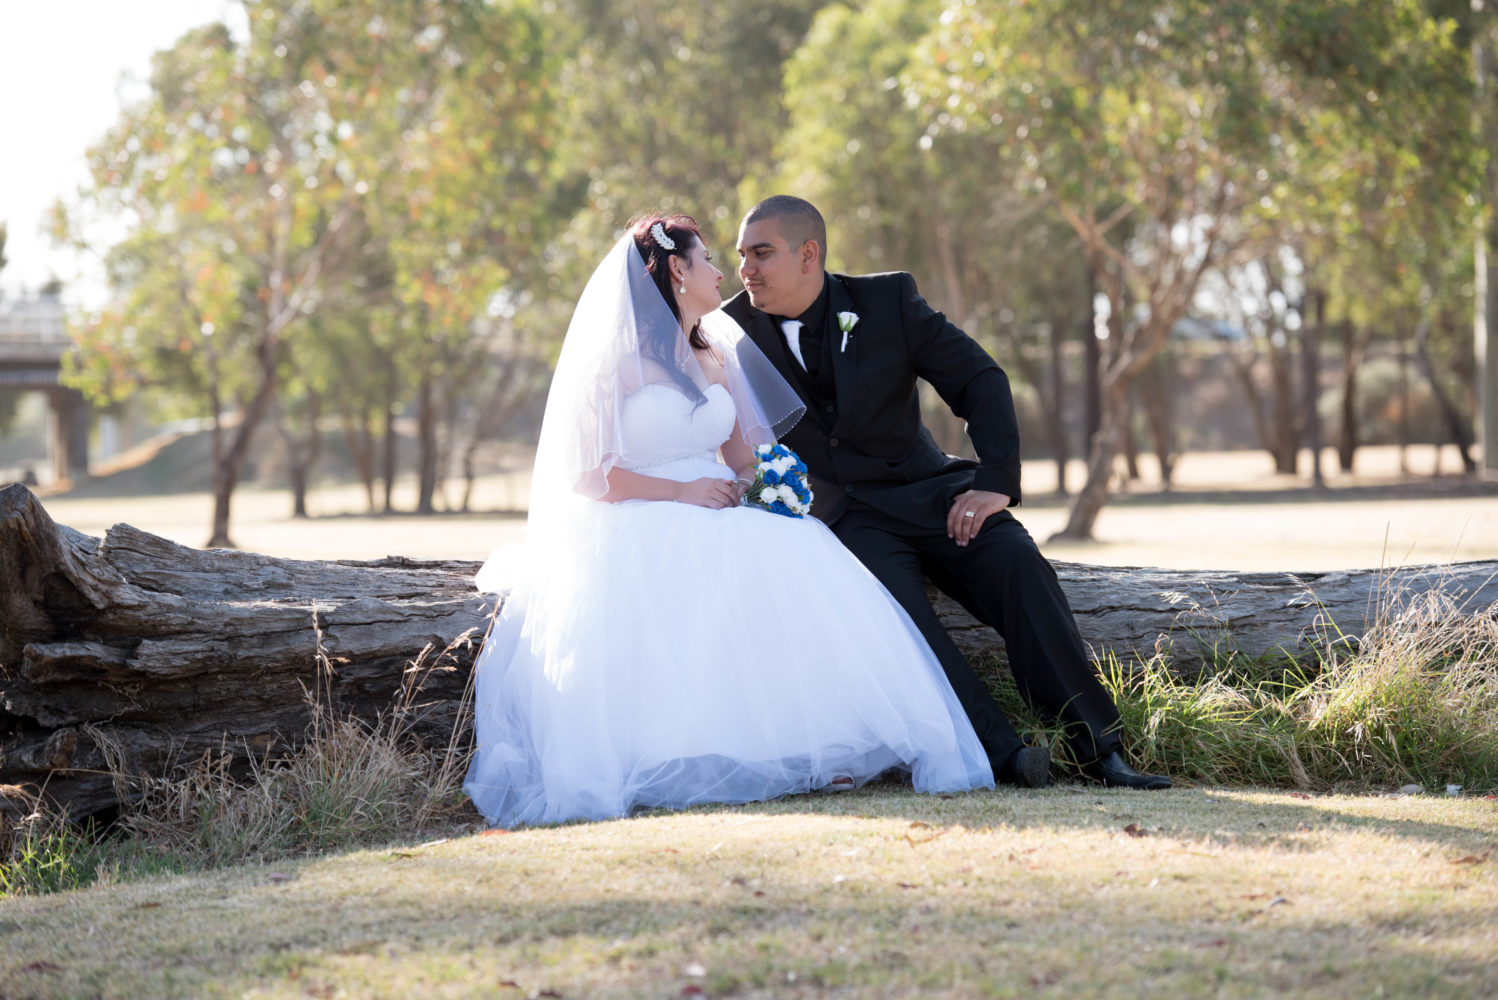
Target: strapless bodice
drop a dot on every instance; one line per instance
(667, 435)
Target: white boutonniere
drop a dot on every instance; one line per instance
(846, 321)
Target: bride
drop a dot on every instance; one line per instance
(662, 645)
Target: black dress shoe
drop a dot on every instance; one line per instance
(1028, 767)
(1112, 770)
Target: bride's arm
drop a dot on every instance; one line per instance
(738, 456)
(707, 492)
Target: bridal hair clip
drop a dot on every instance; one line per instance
(659, 232)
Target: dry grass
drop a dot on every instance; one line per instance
(1074, 892)
(349, 783)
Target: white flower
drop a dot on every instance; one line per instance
(846, 321)
(782, 465)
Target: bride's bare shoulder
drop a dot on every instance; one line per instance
(711, 360)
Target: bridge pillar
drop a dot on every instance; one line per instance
(69, 434)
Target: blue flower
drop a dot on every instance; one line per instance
(771, 478)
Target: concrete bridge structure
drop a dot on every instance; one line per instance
(33, 340)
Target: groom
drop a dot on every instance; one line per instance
(853, 348)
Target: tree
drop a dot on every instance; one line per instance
(669, 108)
(1186, 118)
(901, 194)
(250, 163)
(1481, 22)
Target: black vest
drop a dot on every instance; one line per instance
(820, 389)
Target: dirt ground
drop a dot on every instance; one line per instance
(1227, 511)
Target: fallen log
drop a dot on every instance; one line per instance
(131, 654)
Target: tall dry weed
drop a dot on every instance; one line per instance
(349, 782)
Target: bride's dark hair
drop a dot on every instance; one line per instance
(681, 230)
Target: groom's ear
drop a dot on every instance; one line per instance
(810, 256)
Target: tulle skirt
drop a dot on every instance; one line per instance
(676, 655)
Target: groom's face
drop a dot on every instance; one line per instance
(777, 275)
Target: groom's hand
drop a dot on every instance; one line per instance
(961, 527)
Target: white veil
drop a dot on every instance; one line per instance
(623, 336)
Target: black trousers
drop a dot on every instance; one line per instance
(1002, 580)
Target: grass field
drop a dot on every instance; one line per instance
(1075, 891)
(1070, 892)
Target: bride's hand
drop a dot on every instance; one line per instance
(709, 492)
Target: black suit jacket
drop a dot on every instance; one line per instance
(875, 447)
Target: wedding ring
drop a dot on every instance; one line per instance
(968, 513)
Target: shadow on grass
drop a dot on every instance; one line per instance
(1217, 815)
(628, 914)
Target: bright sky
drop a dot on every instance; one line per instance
(66, 66)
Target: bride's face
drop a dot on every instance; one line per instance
(701, 280)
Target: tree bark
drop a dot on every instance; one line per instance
(130, 655)
(1310, 357)
(1055, 416)
(1353, 349)
(387, 465)
(1092, 368)
(1130, 442)
(1158, 388)
(426, 446)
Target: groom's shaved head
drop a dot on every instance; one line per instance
(798, 218)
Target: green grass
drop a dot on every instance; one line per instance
(1413, 701)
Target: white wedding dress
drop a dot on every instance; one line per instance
(676, 655)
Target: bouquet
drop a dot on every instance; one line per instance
(780, 484)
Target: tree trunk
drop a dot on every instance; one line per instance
(1310, 368)
(1485, 246)
(1403, 392)
(1130, 443)
(426, 446)
(361, 446)
(296, 473)
(133, 654)
(1055, 416)
(228, 465)
(1092, 371)
(1456, 423)
(388, 465)
(1286, 426)
(1156, 385)
(1089, 501)
(301, 455)
(447, 440)
(1352, 360)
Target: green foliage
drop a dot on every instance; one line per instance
(344, 158)
(1415, 702)
(418, 189)
(47, 857)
